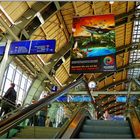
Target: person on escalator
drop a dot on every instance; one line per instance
(106, 115)
(9, 100)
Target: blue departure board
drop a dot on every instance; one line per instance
(42, 46)
(30, 47)
(74, 98)
(121, 99)
(19, 47)
(2, 50)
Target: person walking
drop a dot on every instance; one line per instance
(9, 100)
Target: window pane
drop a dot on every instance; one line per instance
(7, 85)
(23, 82)
(17, 76)
(28, 85)
(20, 96)
(10, 73)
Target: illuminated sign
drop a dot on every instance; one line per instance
(27, 47)
(121, 99)
(74, 98)
(93, 44)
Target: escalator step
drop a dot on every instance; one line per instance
(106, 122)
(106, 129)
(83, 135)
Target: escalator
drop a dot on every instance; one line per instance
(105, 129)
(18, 117)
(84, 127)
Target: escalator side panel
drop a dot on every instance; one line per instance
(134, 124)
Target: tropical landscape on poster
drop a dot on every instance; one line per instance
(93, 36)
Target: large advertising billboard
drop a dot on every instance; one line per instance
(93, 45)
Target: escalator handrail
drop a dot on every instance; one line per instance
(66, 125)
(136, 112)
(135, 123)
(29, 111)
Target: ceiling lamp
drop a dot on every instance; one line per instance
(111, 1)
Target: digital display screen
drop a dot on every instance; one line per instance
(30, 47)
(121, 99)
(43, 46)
(19, 47)
(2, 50)
(73, 98)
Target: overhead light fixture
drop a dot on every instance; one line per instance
(92, 84)
(111, 1)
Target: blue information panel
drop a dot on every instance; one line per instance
(121, 99)
(74, 98)
(54, 88)
(43, 46)
(30, 47)
(19, 47)
(2, 50)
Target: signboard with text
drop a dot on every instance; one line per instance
(27, 47)
(93, 46)
(74, 98)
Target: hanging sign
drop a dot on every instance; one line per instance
(27, 47)
(93, 46)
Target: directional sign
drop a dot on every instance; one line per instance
(54, 88)
(19, 47)
(2, 48)
(72, 98)
(42, 46)
(30, 47)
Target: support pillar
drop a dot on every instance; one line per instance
(4, 62)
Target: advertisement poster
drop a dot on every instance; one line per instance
(93, 44)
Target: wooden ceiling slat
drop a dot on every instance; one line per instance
(19, 11)
(5, 4)
(109, 80)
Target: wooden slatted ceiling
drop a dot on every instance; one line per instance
(3, 16)
(15, 9)
(82, 8)
(68, 13)
(30, 3)
(51, 30)
(62, 75)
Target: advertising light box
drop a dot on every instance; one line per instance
(93, 44)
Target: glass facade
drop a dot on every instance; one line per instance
(22, 82)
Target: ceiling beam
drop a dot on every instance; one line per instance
(63, 25)
(114, 83)
(97, 93)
